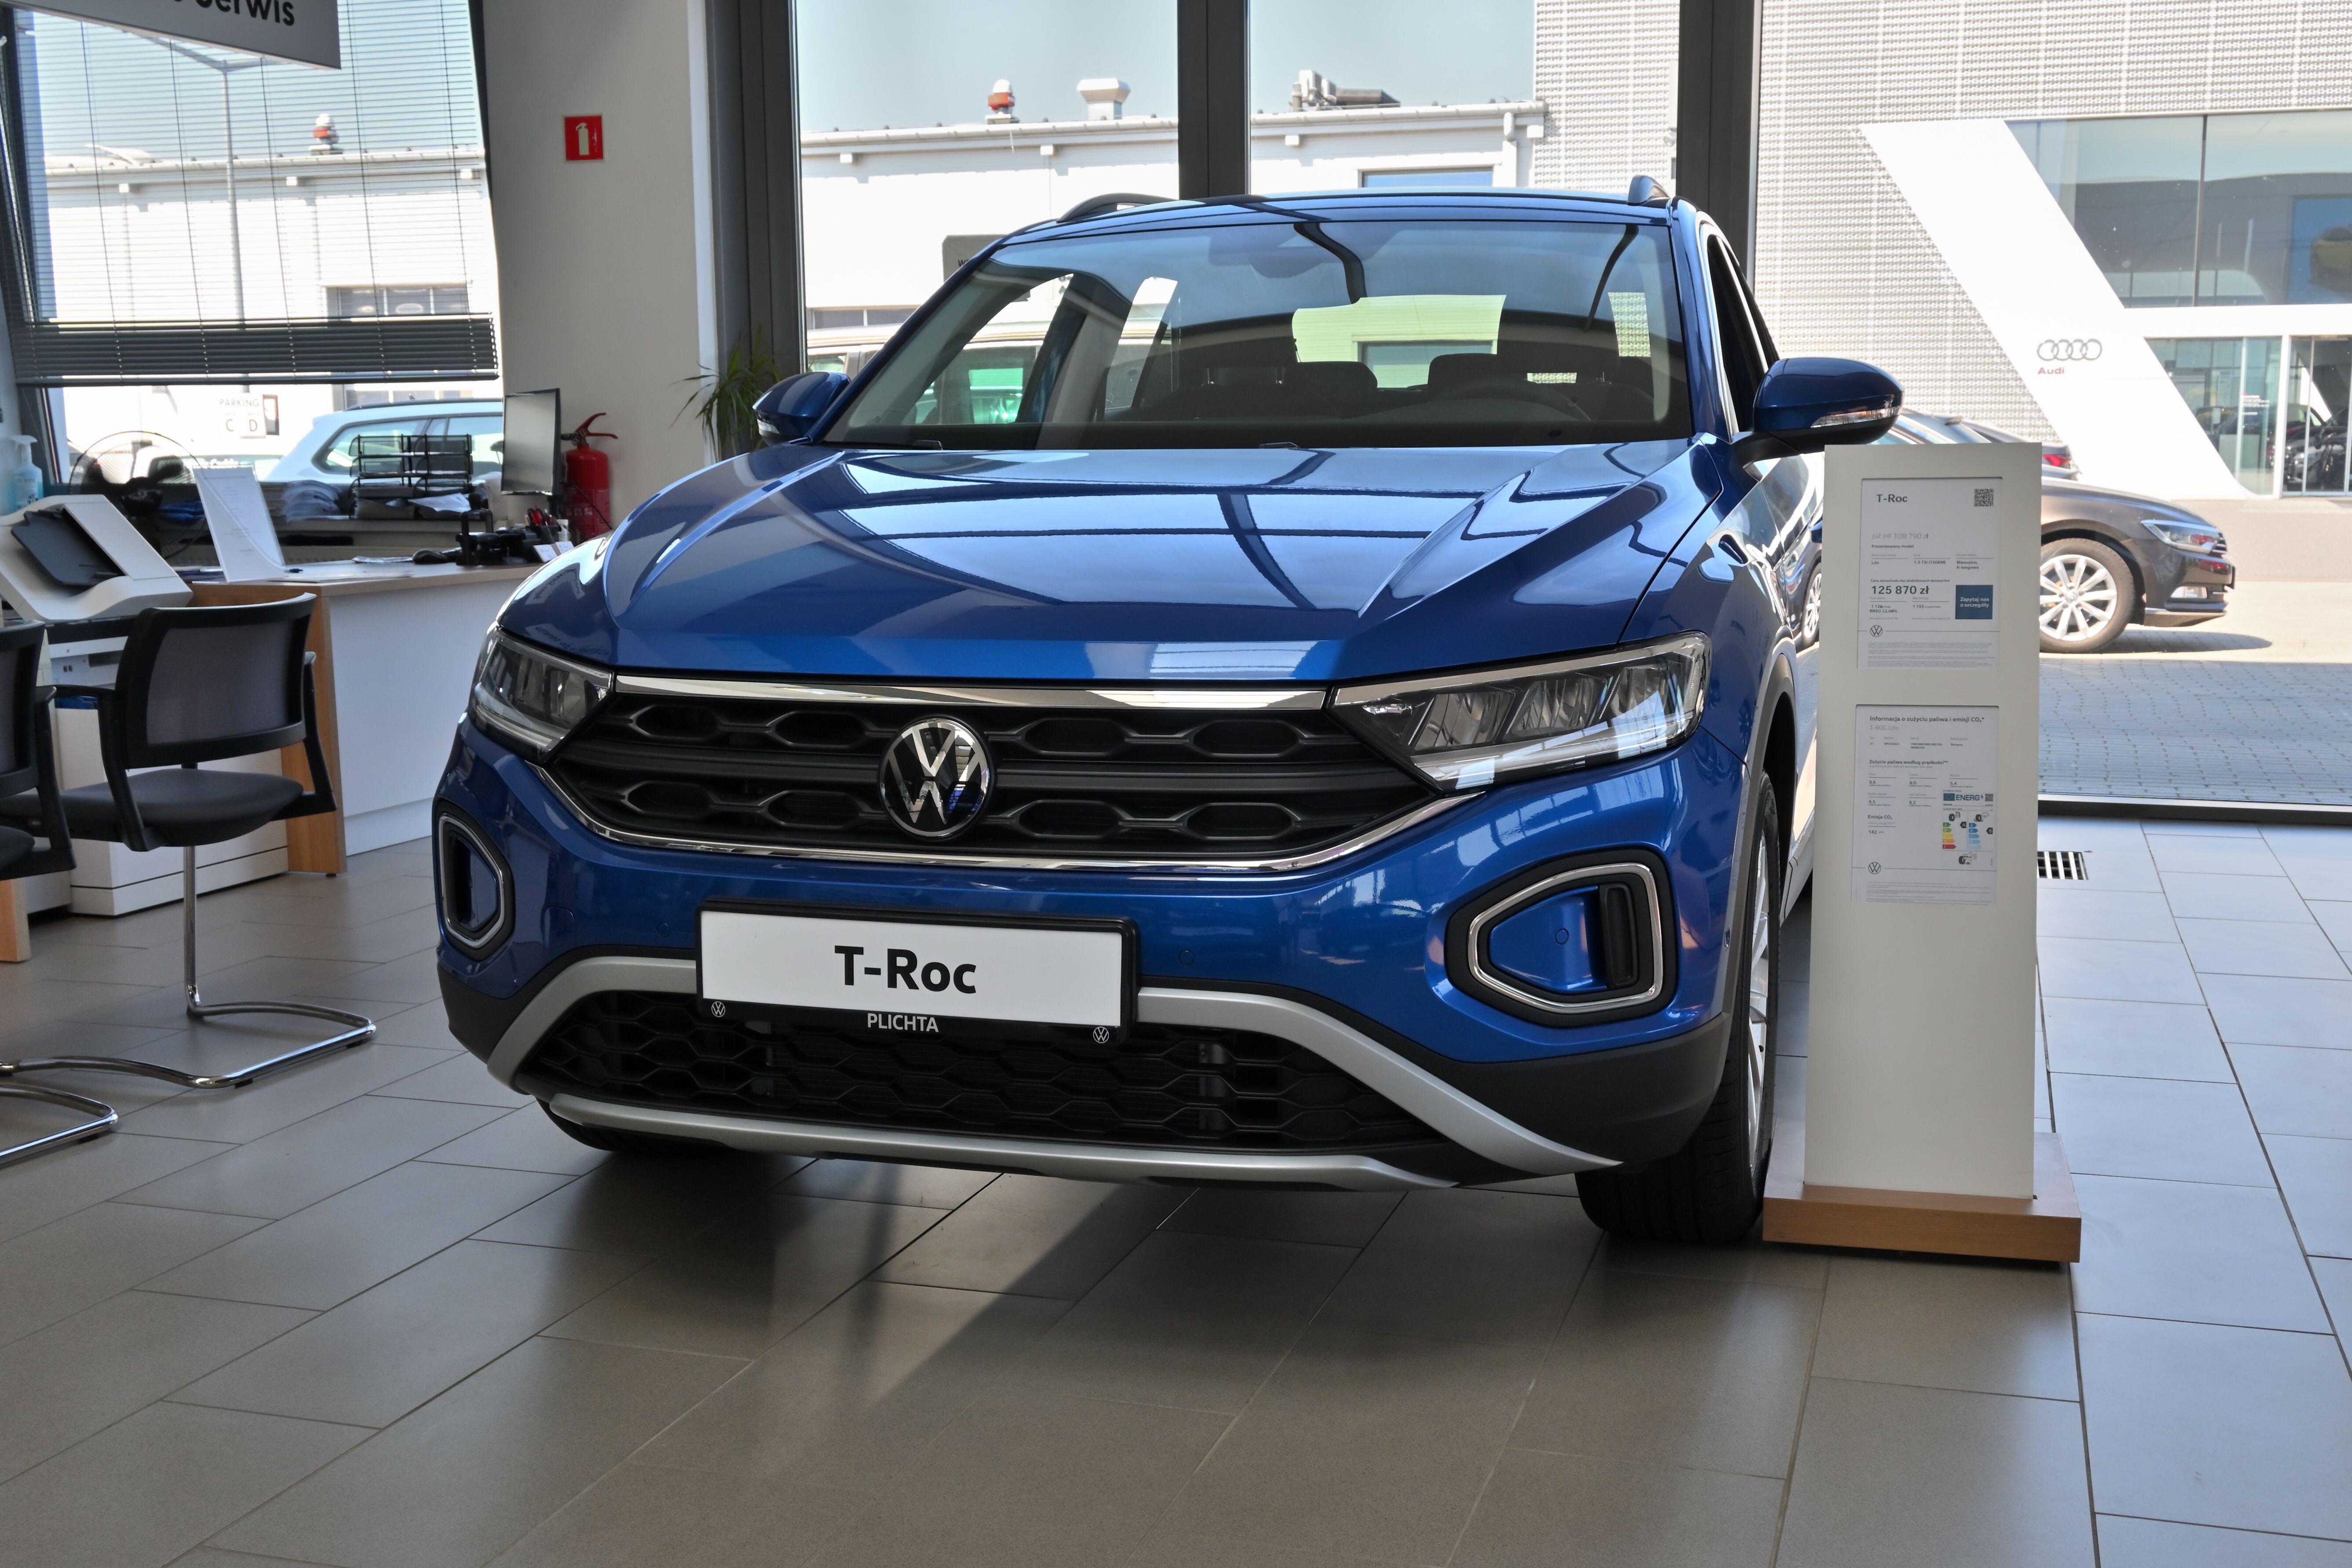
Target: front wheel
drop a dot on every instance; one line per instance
(2085, 603)
(1712, 1188)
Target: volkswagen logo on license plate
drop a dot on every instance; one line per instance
(935, 777)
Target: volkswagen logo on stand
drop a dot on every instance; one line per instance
(2081, 351)
(936, 778)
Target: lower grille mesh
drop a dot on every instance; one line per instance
(1165, 1085)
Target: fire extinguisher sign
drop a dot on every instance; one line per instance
(583, 138)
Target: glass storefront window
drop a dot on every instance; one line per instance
(2231, 384)
(2277, 217)
(2129, 187)
(2319, 387)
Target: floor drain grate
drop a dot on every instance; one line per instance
(2063, 865)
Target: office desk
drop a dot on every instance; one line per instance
(396, 647)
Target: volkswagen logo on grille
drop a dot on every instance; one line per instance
(935, 777)
(2078, 349)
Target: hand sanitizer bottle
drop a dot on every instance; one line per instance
(21, 486)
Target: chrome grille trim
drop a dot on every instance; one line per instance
(916, 855)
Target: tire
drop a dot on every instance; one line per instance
(1712, 1189)
(614, 1140)
(2086, 596)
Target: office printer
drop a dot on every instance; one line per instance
(77, 564)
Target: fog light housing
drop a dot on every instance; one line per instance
(2191, 593)
(1585, 939)
(472, 886)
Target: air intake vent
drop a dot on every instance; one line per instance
(2063, 865)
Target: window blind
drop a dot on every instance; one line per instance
(187, 214)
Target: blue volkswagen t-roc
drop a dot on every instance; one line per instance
(1301, 691)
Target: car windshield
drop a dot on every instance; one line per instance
(1360, 333)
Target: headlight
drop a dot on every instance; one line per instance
(1466, 731)
(531, 699)
(2197, 538)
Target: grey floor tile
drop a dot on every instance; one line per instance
(1363, 1444)
(1032, 1481)
(759, 1273)
(2118, 851)
(67, 1264)
(1494, 1266)
(2316, 1174)
(2298, 949)
(2202, 1425)
(871, 1182)
(2335, 1276)
(2138, 1039)
(2324, 878)
(2235, 854)
(2153, 1543)
(1978, 1327)
(1185, 1319)
(378, 941)
(241, 1115)
(1564, 1510)
(468, 1475)
(640, 1517)
(388, 1349)
(427, 1027)
(2172, 1129)
(2262, 1010)
(1034, 1235)
(859, 1391)
(643, 1207)
(1698, 1373)
(459, 1077)
(2205, 895)
(1330, 1219)
(149, 1487)
(2191, 1251)
(1894, 1476)
(80, 1376)
(2310, 842)
(522, 1140)
(2073, 910)
(27, 1001)
(2295, 1089)
(55, 1185)
(361, 1236)
(294, 1167)
(214, 1557)
(1748, 1262)
(2100, 968)
(415, 978)
(2335, 920)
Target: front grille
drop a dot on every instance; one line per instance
(1194, 785)
(1164, 1085)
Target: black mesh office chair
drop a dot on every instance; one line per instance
(29, 768)
(201, 686)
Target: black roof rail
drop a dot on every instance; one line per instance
(1095, 206)
(1646, 192)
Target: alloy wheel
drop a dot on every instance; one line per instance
(1809, 621)
(2079, 598)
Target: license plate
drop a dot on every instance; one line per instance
(901, 967)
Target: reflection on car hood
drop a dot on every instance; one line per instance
(1257, 564)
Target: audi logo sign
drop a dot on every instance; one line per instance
(2055, 350)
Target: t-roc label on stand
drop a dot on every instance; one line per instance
(889, 968)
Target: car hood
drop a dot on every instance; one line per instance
(1256, 565)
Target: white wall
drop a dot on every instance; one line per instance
(605, 269)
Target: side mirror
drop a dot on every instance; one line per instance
(793, 408)
(1806, 404)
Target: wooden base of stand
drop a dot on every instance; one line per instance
(2046, 1227)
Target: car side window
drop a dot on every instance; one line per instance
(487, 433)
(1743, 356)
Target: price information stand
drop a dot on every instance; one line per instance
(1918, 1130)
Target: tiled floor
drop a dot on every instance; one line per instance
(377, 1313)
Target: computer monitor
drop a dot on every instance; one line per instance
(533, 460)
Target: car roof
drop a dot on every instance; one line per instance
(1447, 201)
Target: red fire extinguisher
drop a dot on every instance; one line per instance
(588, 482)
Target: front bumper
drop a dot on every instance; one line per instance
(1346, 961)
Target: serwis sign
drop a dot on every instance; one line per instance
(301, 30)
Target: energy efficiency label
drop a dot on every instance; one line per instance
(1930, 556)
(1924, 812)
